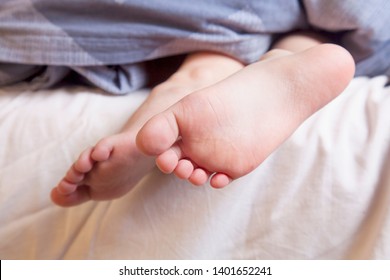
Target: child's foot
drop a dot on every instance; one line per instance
(226, 130)
(115, 165)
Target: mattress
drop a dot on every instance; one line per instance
(324, 194)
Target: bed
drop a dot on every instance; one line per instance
(324, 194)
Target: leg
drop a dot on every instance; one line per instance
(229, 128)
(114, 165)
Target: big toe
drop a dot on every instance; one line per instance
(158, 134)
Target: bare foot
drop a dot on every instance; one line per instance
(115, 165)
(226, 130)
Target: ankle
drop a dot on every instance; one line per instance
(207, 66)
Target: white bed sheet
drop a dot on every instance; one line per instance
(324, 194)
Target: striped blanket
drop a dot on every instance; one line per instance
(107, 42)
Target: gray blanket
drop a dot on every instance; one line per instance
(108, 41)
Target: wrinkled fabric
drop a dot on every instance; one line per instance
(323, 194)
(107, 41)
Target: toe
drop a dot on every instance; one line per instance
(158, 134)
(184, 169)
(84, 163)
(72, 199)
(102, 150)
(199, 177)
(168, 160)
(65, 187)
(220, 180)
(74, 176)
